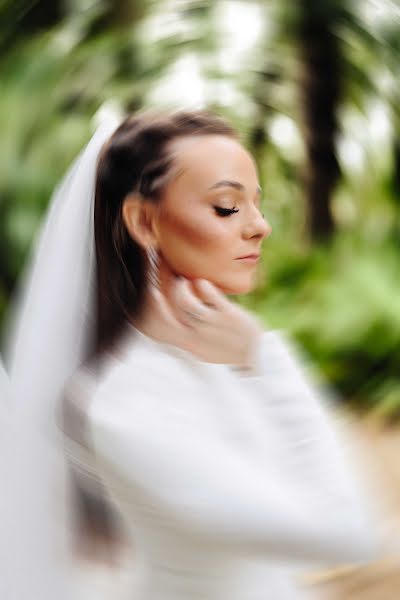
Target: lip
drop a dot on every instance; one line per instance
(250, 258)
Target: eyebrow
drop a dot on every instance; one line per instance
(233, 184)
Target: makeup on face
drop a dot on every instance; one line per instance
(211, 218)
(229, 192)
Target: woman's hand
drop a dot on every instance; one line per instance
(197, 317)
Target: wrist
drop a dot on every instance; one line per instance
(249, 363)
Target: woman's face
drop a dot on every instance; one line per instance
(194, 238)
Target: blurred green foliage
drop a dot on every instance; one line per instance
(322, 121)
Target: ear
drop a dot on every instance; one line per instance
(139, 218)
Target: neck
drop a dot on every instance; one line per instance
(148, 322)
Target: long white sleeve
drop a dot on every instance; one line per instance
(154, 454)
(318, 456)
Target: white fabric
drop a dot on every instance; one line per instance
(27, 569)
(7, 548)
(226, 483)
(48, 338)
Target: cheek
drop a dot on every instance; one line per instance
(195, 234)
(203, 246)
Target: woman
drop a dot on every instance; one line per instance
(199, 426)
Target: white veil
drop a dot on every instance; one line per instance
(49, 334)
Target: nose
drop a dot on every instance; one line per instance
(257, 226)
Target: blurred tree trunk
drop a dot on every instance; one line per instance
(320, 90)
(118, 15)
(389, 38)
(396, 184)
(396, 167)
(41, 15)
(258, 134)
(21, 18)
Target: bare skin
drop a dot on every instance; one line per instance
(196, 243)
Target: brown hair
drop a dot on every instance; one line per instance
(135, 159)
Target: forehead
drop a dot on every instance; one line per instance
(202, 161)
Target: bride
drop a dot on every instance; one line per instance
(200, 428)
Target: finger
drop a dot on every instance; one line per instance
(210, 294)
(162, 306)
(187, 302)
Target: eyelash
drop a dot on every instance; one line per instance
(226, 212)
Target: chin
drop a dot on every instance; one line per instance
(235, 289)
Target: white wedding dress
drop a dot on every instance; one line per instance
(227, 482)
(31, 566)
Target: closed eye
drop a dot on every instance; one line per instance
(225, 212)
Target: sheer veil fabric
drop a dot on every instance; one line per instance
(48, 336)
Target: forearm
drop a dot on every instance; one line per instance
(213, 490)
(315, 458)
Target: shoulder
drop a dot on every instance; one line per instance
(291, 373)
(278, 351)
(286, 366)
